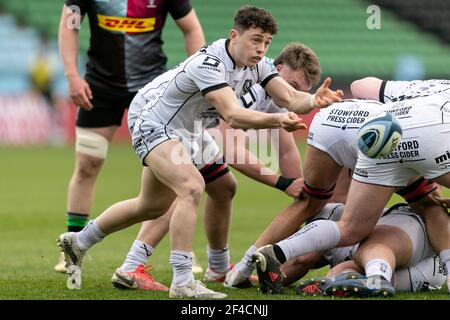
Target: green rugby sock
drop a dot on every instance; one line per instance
(76, 221)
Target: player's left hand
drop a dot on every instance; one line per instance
(291, 122)
(445, 202)
(295, 188)
(325, 96)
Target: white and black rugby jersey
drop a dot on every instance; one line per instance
(176, 98)
(392, 91)
(257, 99)
(334, 129)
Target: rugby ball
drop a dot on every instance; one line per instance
(379, 135)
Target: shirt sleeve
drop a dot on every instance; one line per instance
(266, 71)
(179, 8)
(257, 99)
(207, 72)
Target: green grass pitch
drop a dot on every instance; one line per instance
(33, 185)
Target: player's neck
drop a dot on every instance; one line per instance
(231, 50)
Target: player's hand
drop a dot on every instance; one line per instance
(80, 92)
(291, 122)
(445, 202)
(295, 188)
(325, 96)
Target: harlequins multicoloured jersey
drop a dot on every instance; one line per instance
(125, 50)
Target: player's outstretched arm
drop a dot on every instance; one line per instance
(226, 103)
(301, 102)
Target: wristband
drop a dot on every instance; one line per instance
(283, 183)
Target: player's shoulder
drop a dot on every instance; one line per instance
(217, 50)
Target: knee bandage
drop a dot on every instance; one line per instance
(91, 143)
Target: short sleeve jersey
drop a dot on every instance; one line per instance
(392, 91)
(177, 97)
(125, 50)
(257, 99)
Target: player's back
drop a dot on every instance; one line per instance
(392, 91)
(421, 111)
(334, 129)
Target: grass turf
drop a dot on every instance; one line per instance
(33, 187)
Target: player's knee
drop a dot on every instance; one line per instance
(192, 190)
(225, 190)
(91, 143)
(88, 167)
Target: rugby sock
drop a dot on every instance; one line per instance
(445, 260)
(219, 259)
(379, 267)
(76, 221)
(245, 266)
(444, 256)
(181, 262)
(90, 235)
(318, 235)
(138, 254)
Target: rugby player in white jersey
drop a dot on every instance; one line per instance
(391, 91)
(426, 131)
(299, 66)
(178, 105)
(326, 155)
(399, 237)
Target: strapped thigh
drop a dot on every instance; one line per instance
(417, 190)
(317, 192)
(214, 170)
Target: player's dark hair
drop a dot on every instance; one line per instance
(252, 17)
(297, 56)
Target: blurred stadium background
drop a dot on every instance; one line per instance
(36, 130)
(411, 43)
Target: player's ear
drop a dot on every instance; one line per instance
(233, 35)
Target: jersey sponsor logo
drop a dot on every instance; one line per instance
(210, 114)
(126, 24)
(151, 4)
(405, 149)
(443, 157)
(210, 63)
(361, 172)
